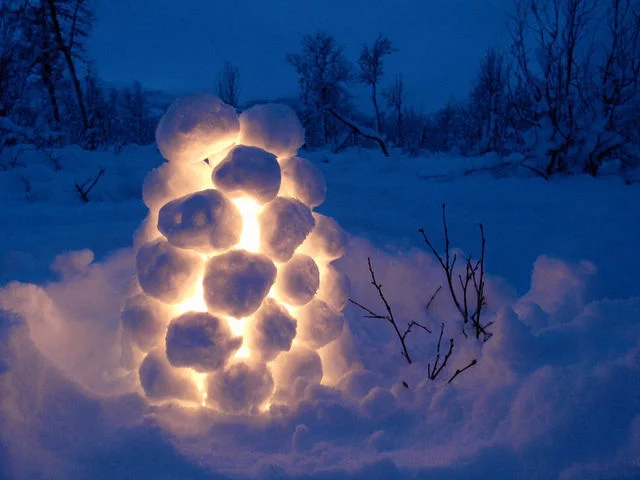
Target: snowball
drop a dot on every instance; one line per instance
(272, 127)
(143, 320)
(240, 388)
(358, 383)
(195, 127)
(296, 369)
(205, 221)
(200, 341)
(303, 180)
(272, 330)
(249, 171)
(171, 180)
(298, 280)
(284, 224)
(167, 273)
(161, 381)
(237, 282)
(334, 287)
(319, 324)
(327, 239)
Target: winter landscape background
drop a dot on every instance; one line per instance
(481, 108)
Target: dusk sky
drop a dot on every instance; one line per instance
(180, 46)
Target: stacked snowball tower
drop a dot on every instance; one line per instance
(235, 288)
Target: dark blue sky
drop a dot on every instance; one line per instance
(181, 45)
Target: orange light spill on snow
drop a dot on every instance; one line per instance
(250, 238)
(200, 379)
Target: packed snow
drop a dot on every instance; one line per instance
(295, 387)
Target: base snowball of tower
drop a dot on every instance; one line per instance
(238, 289)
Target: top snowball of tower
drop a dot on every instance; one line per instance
(272, 127)
(196, 127)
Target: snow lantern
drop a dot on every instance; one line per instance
(236, 287)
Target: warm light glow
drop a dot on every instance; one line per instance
(195, 303)
(250, 238)
(200, 379)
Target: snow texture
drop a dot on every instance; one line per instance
(272, 127)
(72, 263)
(144, 320)
(248, 171)
(303, 180)
(334, 287)
(327, 240)
(167, 273)
(271, 330)
(240, 388)
(195, 127)
(284, 224)
(173, 180)
(236, 282)
(162, 382)
(201, 341)
(319, 324)
(205, 221)
(294, 371)
(298, 280)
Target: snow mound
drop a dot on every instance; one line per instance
(205, 221)
(248, 171)
(284, 224)
(303, 180)
(319, 324)
(240, 388)
(236, 282)
(195, 127)
(298, 280)
(272, 127)
(201, 341)
(294, 371)
(167, 273)
(272, 330)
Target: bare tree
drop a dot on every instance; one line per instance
(396, 96)
(371, 69)
(323, 75)
(489, 101)
(228, 84)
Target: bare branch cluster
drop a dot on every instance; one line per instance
(84, 188)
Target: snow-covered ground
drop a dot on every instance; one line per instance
(555, 394)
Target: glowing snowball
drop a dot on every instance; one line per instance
(160, 381)
(205, 221)
(272, 330)
(327, 239)
(298, 280)
(196, 127)
(240, 388)
(334, 287)
(236, 282)
(302, 180)
(284, 224)
(319, 324)
(201, 341)
(272, 127)
(171, 180)
(294, 371)
(143, 320)
(167, 273)
(248, 171)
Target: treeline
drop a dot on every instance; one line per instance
(564, 92)
(50, 93)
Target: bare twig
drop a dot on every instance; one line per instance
(461, 370)
(435, 371)
(88, 185)
(360, 131)
(473, 276)
(389, 317)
